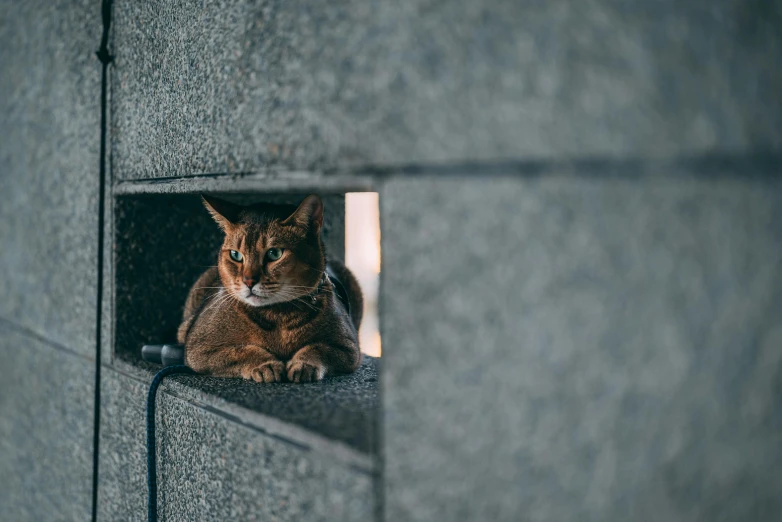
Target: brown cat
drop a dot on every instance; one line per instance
(268, 311)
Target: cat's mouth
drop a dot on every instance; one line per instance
(258, 296)
(254, 300)
(259, 292)
(264, 296)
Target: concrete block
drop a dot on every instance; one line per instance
(46, 406)
(49, 123)
(214, 468)
(598, 349)
(209, 87)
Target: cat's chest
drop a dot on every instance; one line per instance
(280, 338)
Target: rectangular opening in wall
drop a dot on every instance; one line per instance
(164, 242)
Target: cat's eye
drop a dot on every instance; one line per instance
(236, 256)
(274, 254)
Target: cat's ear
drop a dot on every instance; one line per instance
(226, 214)
(310, 212)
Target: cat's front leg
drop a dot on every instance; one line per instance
(313, 362)
(269, 371)
(248, 361)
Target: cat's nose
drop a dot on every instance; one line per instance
(250, 282)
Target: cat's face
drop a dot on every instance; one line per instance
(271, 253)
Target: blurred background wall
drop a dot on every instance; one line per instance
(580, 299)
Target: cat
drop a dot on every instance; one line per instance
(268, 311)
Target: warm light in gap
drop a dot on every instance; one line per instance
(362, 256)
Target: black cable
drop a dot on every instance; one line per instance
(105, 59)
(151, 444)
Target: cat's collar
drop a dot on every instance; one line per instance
(314, 294)
(337, 288)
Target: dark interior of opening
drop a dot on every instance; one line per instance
(163, 243)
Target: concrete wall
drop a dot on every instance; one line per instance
(209, 87)
(582, 349)
(215, 465)
(580, 297)
(594, 338)
(49, 114)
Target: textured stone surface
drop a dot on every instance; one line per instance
(266, 182)
(205, 87)
(211, 468)
(122, 489)
(46, 402)
(582, 349)
(162, 244)
(49, 116)
(342, 408)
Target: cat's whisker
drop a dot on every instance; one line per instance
(210, 298)
(292, 299)
(294, 304)
(223, 302)
(311, 289)
(211, 305)
(291, 295)
(216, 294)
(304, 302)
(217, 303)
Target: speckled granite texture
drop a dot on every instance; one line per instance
(342, 408)
(211, 86)
(162, 244)
(49, 113)
(46, 402)
(582, 349)
(215, 469)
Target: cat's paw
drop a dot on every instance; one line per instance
(305, 372)
(272, 371)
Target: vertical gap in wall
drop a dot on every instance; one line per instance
(105, 59)
(362, 257)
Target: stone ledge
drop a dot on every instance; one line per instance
(265, 182)
(336, 417)
(766, 164)
(212, 466)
